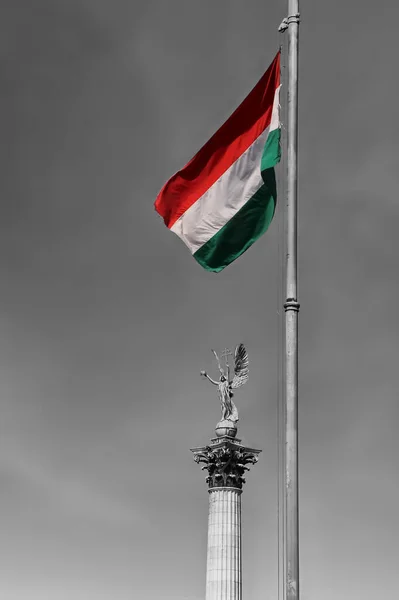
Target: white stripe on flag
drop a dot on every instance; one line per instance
(203, 219)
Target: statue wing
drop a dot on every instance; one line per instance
(240, 367)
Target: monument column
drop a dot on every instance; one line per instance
(225, 460)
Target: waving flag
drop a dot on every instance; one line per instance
(224, 199)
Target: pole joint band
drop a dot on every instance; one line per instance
(291, 304)
(285, 23)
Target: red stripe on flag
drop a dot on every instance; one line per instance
(240, 130)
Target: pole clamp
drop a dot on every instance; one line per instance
(285, 23)
(291, 304)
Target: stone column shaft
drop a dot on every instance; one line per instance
(226, 460)
(223, 573)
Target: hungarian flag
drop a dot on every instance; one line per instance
(224, 199)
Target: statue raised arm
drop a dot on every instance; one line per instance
(205, 374)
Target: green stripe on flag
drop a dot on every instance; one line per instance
(250, 222)
(272, 151)
(247, 225)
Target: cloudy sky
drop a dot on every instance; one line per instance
(106, 320)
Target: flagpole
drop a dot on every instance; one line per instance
(291, 306)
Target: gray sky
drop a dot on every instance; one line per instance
(106, 319)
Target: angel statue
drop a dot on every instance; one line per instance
(226, 385)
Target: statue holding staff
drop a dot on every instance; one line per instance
(226, 384)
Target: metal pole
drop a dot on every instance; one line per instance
(291, 318)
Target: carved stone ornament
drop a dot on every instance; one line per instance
(226, 463)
